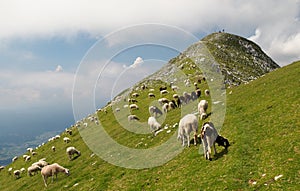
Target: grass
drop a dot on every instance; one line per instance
(262, 124)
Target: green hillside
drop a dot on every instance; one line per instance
(262, 124)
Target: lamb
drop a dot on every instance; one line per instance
(187, 124)
(153, 124)
(33, 169)
(154, 111)
(133, 118)
(17, 173)
(202, 107)
(52, 170)
(71, 151)
(210, 136)
(133, 106)
(67, 139)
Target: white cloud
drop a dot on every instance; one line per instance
(138, 62)
(46, 19)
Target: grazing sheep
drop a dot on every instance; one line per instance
(135, 95)
(153, 124)
(1, 168)
(33, 169)
(14, 159)
(151, 95)
(27, 158)
(202, 107)
(69, 131)
(67, 139)
(53, 148)
(133, 106)
(34, 153)
(175, 96)
(210, 136)
(17, 173)
(71, 151)
(187, 97)
(22, 170)
(133, 118)
(30, 150)
(162, 101)
(117, 109)
(10, 170)
(165, 107)
(162, 88)
(154, 111)
(174, 88)
(187, 124)
(164, 92)
(41, 163)
(24, 157)
(206, 92)
(172, 105)
(198, 92)
(52, 170)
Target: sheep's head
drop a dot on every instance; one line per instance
(67, 171)
(203, 116)
(222, 142)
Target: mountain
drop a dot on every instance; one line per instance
(261, 123)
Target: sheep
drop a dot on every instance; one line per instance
(163, 88)
(34, 153)
(153, 124)
(33, 169)
(162, 101)
(27, 158)
(22, 170)
(187, 124)
(151, 95)
(198, 92)
(174, 88)
(67, 139)
(202, 107)
(24, 157)
(135, 95)
(69, 131)
(206, 92)
(172, 105)
(53, 148)
(117, 109)
(187, 97)
(164, 92)
(1, 168)
(154, 111)
(52, 170)
(17, 173)
(71, 151)
(133, 118)
(133, 106)
(14, 159)
(175, 96)
(209, 136)
(41, 163)
(165, 107)
(30, 149)
(85, 124)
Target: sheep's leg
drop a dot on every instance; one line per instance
(214, 145)
(45, 180)
(188, 139)
(195, 139)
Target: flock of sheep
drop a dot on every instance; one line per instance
(187, 124)
(46, 169)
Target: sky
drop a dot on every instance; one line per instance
(48, 47)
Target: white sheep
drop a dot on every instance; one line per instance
(27, 158)
(71, 151)
(22, 170)
(33, 169)
(165, 107)
(53, 148)
(153, 124)
(133, 118)
(52, 170)
(206, 92)
(41, 163)
(17, 173)
(14, 159)
(154, 111)
(187, 124)
(34, 153)
(164, 92)
(67, 139)
(10, 170)
(133, 106)
(30, 149)
(2, 167)
(202, 107)
(162, 101)
(209, 136)
(24, 157)
(151, 95)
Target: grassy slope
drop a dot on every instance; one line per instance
(262, 123)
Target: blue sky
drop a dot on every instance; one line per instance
(43, 43)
